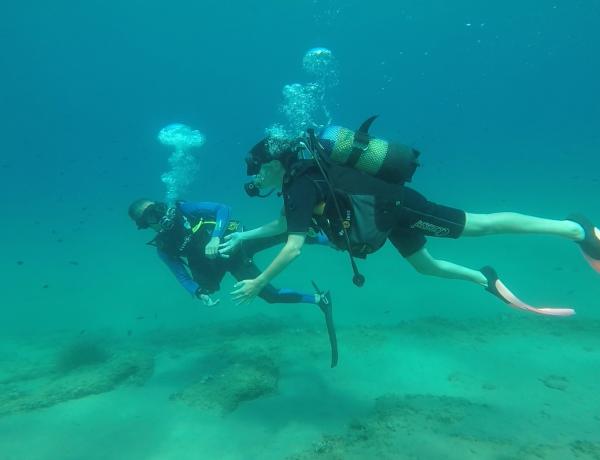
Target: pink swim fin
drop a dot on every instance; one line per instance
(499, 289)
(595, 264)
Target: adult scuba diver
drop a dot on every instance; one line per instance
(353, 187)
(187, 240)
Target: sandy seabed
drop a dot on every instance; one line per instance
(512, 387)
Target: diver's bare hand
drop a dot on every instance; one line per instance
(246, 291)
(208, 301)
(211, 250)
(231, 245)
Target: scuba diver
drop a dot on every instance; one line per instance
(353, 187)
(187, 240)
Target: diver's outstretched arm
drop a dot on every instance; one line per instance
(233, 240)
(276, 227)
(246, 290)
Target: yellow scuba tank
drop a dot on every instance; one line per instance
(390, 162)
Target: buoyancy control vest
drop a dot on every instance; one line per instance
(369, 209)
(364, 178)
(188, 235)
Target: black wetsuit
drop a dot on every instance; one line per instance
(407, 217)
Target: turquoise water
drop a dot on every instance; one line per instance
(104, 356)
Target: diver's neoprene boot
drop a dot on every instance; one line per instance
(325, 301)
(491, 276)
(590, 245)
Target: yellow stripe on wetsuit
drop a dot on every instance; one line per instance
(232, 226)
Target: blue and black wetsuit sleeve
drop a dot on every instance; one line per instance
(180, 272)
(209, 210)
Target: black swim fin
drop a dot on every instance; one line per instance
(327, 308)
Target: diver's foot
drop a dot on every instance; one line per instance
(492, 279)
(322, 299)
(324, 302)
(590, 245)
(499, 289)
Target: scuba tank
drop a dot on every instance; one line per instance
(390, 162)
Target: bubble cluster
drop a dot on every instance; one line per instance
(304, 104)
(320, 64)
(184, 164)
(278, 138)
(180, 136)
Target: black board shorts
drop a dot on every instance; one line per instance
(420, 218)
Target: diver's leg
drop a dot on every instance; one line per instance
(576, 228)
(244, 270)
(423, 263)
(271, 294)
(433, 219)
(420, 215)
(410, 243)
(511, 222)
(426, 218)
(420, 218)
(207, 273)
(486, 277)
